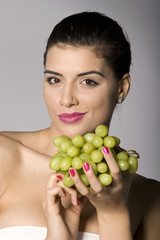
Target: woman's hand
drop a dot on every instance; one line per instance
(111, 202)
(104, 199)
(62, 222)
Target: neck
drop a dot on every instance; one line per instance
(46, 137)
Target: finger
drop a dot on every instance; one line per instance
(112, 164)
(94, 182)
(60, 176)
(81, 202)
(53, 194)
(80, 186)
(52, 180)
(53, 190)
(72, 192)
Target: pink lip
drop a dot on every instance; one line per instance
(71, 117)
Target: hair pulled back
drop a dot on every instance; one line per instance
(95, 30)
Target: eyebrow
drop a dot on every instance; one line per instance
(79, 75)
(90, 72)
(52, 72)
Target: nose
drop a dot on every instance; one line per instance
(68, 97)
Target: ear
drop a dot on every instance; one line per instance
(124, 86)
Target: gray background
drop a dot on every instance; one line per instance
(24, 29)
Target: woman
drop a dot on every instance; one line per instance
(86, 73)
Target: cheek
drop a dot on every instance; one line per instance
(101, 100)
(50, 99)
(102, 106)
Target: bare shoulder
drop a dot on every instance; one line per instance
(8, 146)
(20, 137)
(148, 194)
(9, 156)
(31, 139)
(11, 146)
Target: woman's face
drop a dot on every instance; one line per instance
(80, 90)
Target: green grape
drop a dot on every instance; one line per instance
(77, 163)
(67, 180)
(88, 147)
(60, 153)
(97, 141)
(55, 163)
(118, 141)
(94, 166)
(78, 141)
(81, 150)
(105, 179)
(96, 156)
(111, 149)
(57, 140)
(101, 130)
(100, 148)
(64, 145)
(123, 164)
(73, 151)
(84, 179)
(109, 142)
(133, 164)
(60, 171)
(85, 157)
(89, 137)
(122, 156)
(113, 152)
(102, 167)
(66, 163)
(80, 171)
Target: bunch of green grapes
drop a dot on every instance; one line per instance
(88, 148)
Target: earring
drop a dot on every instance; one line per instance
(120, 100)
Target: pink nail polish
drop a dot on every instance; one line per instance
(105, 150)
(86, 166)
(72, 172)
(60, 177)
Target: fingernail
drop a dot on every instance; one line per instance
(72, 172)
(77, 202)
(60, 177)
(86, 166)
(105, 150)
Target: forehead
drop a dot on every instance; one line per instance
(77, 57)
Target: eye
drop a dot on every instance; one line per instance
(53, 80)
(89, 82)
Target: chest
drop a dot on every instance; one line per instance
(23, 203)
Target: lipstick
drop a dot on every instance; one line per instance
(71, 117)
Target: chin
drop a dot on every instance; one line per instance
(79, 128)
(72, 130)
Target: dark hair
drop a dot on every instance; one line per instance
(95, 30)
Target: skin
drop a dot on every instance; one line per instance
(68, 92)
(31, 194)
